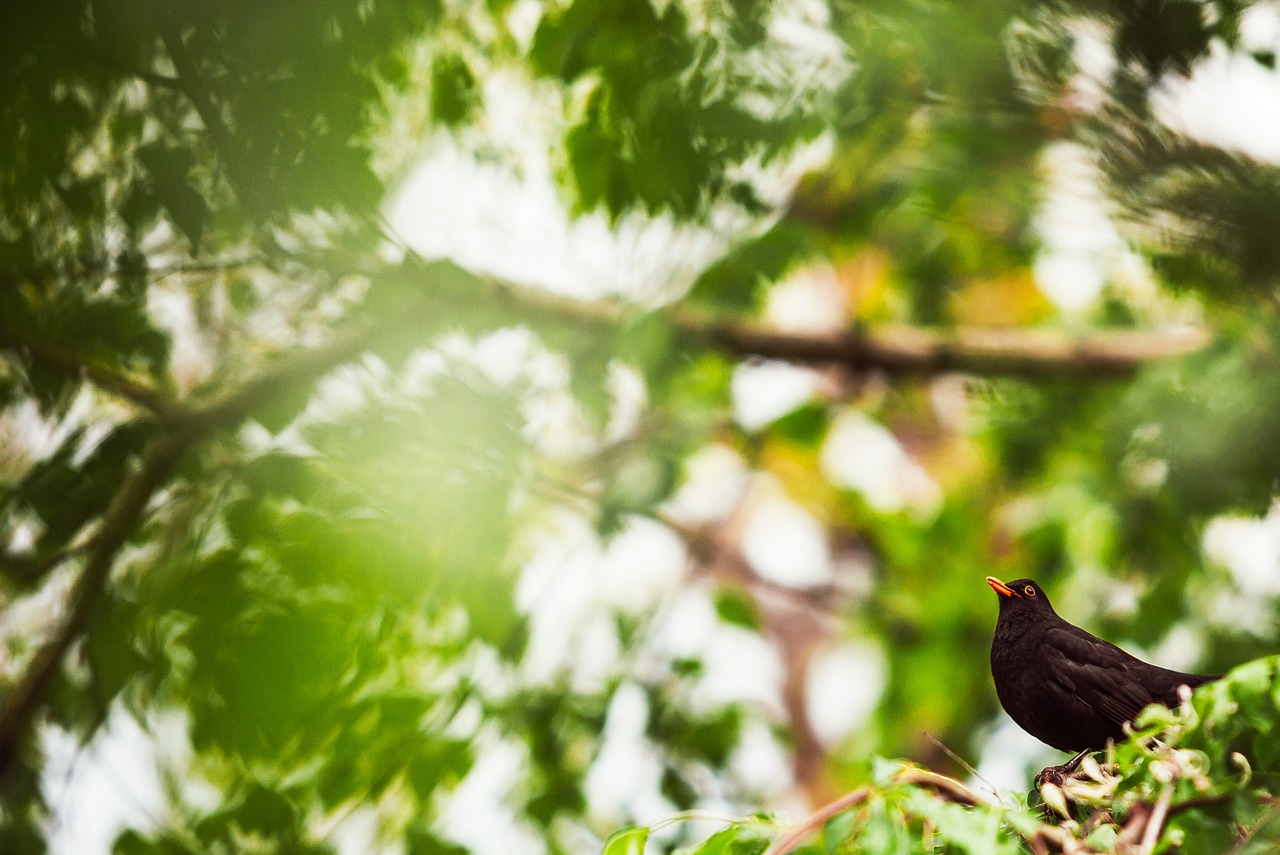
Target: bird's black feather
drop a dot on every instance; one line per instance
(1069, 689)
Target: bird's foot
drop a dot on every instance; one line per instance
(1052, 775)
(1056, 775)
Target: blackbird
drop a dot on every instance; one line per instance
(1065, 687)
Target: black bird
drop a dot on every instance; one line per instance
(1065, 687)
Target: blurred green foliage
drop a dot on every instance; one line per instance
(334, 592)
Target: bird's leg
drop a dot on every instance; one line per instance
(1057, 774)
(1074, 763)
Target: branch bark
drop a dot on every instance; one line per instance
(987, 352)
(897, 350)
(26, 569)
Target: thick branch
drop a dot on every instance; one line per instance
(120, 520)
(988, 352)
(286, 374)
(27, 569)
(79, 367)
(896, 350)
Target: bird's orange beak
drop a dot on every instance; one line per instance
(1000, 587)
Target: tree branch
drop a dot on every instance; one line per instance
(988, 352)
(186, 428)
(214, 265)
(1155, 823)
(74, 365)
(27, 569)
(901, 351)
(287, 373)
(192, 84)
(947, 788)
(898, 351)
(28, 693)
(816, 820)
(1101, 354)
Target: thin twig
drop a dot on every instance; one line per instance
(963, 763)
(216, 265)
(1155, 823)
(816, 820)
(289, 371)
(1134, 826)
(1198, 802)
(952, 789)
(25, 570)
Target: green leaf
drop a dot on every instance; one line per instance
(83, 198)
(649, 342)
(454, 92)
(806, 425)
(420, 841)
(627, 841)
(735, 606)
(737, 839)
(280, 409)
(188, 209)
(132, 842)
(169, 167)
(837, 830)
(976, 830)
(589, 383)
(439, 763)
(738, 281)
(265, 810)
(139, 208)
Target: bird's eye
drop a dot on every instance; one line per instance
(1029, 591)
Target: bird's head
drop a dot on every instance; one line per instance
(1021, 596)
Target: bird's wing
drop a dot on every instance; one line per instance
(1097, 672)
